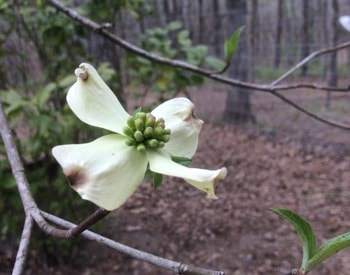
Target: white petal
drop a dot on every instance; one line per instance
(185, 129)
(105, 171)
(202, 179)
(93, 102)
(345, 22)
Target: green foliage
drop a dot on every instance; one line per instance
(313, 255)
(172, 42)
(154, 178)
(328, 249)
(304, 231)
(102, 11)
(231, 44)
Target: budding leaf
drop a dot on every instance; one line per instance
(157, 179)
(328, 249)
(181, 160)
(231, 44)
(304, 231)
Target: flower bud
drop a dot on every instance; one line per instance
(161, 123)
(139, 124)
(165, 138)
(128, 131)
(141, 148)
(150, 120)
(161, 144)
(158, 131)
(148, 132)
(138, 136)
(140, 115)
(153, 143)
(167, 131)
(130, 142)
(131, 122)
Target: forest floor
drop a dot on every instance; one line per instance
(286, 160)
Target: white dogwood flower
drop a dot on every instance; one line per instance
(345, 22)
(108, 170)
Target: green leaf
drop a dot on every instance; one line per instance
(157, 179)
(214, 63)
(43, 95)
(67, 81)
(181, 160)
(304, 231)
(231, 44)
(328, 249)
(174, 26)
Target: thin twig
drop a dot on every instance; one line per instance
(176, 267)
(272, 88)
(309, 58)
(98, 28)
(88, 222)
(310, 114)
(23, 247)
(30, 206)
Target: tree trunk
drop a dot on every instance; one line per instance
(161, 14)
(252, 15)
(325, 35)
(118, 63)
(201, 22)
(217, 28)
(305, 48)
(279, 30)
(238, 107)
(333, 75)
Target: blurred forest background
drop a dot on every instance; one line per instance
(275, 155)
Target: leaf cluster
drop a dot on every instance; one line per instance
(172, 42)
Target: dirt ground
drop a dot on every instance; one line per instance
(286, 160)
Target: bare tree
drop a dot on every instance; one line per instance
(201, 22)
(305, 35)
(217, 27)
(278, 34)
(252, 18)
(332, 72)
(238, 107)
(324, 33)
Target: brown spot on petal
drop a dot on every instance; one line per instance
(76, 175)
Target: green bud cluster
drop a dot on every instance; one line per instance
(144, 131)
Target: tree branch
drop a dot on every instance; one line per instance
(176, 267)
(98, 28)
(30, 206)
(23, 247)
(309, 58)
(272, 88)
(88, 222)
(310, 114)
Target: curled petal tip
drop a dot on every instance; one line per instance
(211, 196)
(222, 174)
(81, 73)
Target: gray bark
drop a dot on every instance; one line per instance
(305, 34)
(279, 30)
(332, 73)
(252, 15)
(238, 107)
